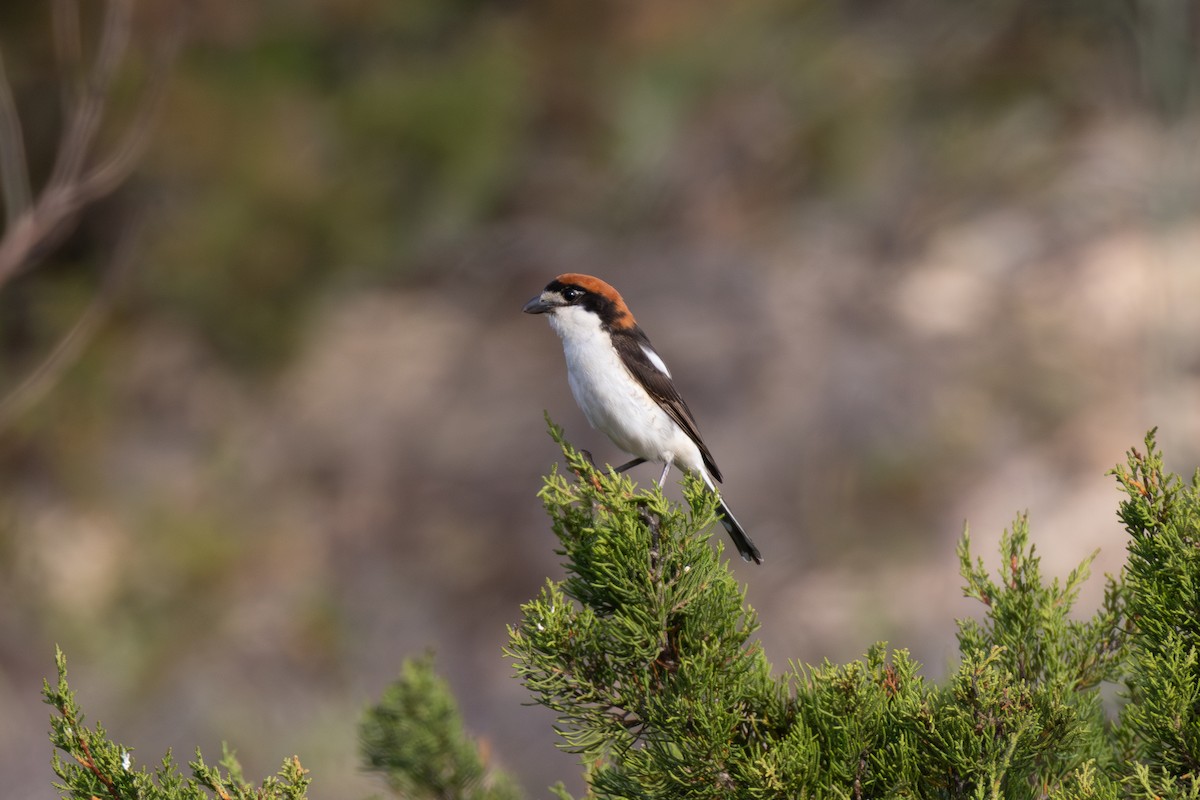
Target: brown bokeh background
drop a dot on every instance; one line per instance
(912, 263)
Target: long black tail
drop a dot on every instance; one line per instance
(741, 541)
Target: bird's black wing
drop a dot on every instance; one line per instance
(631, 345)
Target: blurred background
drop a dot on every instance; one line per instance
(272, 418)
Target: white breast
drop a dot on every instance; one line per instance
(612, 399)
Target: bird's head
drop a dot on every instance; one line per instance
(573, 295)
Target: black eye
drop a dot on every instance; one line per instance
(571, 294)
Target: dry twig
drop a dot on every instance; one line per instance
(81, 175)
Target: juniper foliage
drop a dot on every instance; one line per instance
(414, 739)
(646, 651)
(1159, 727)
(97, 768)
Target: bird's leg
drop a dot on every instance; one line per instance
(663, 478)
(629, 464)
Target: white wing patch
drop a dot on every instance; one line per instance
(656, 361)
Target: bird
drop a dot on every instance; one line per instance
(624, 388)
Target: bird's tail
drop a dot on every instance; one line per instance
(741, 541)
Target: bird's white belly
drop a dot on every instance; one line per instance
(621, 408)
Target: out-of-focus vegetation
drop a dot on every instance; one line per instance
(315, 144)
(97, 766)
(298, 446)
(414, 740)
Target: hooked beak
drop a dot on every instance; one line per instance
(538, 306)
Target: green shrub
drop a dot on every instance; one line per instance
(646, 652)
